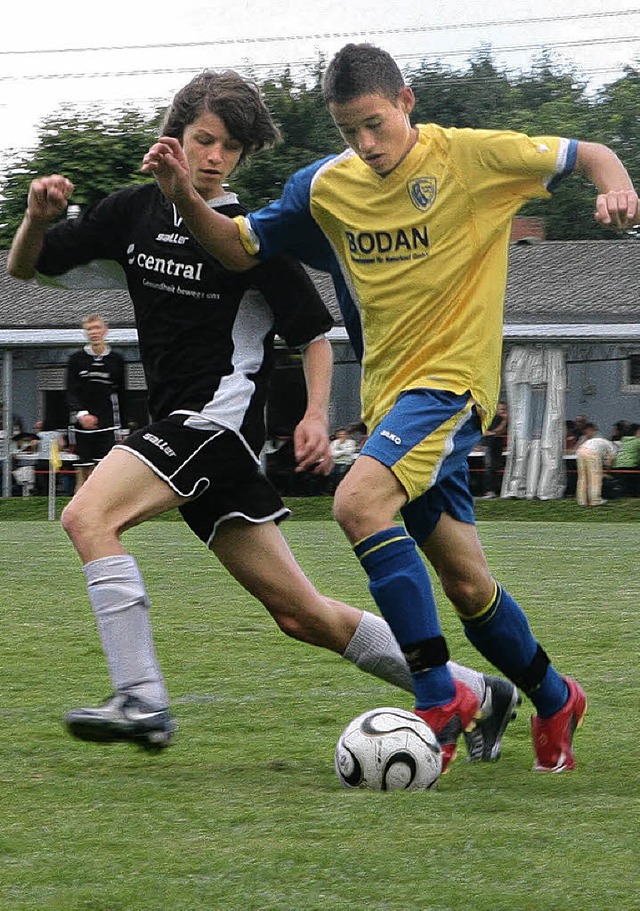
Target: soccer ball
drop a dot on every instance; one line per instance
(388, 749)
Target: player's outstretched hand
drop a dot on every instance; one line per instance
(312, 447)
(618, 208)
(168, 164)
(48, 197)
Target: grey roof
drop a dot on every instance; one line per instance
(29, 305)
(585, 283)
(575, 281)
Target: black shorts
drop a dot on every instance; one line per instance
(212, 469)
(91, 445)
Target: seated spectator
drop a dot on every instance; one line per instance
(344, 452)
(627, 462)
(593, 455)
(359, 433)
(619, 430)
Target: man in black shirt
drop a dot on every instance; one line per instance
(206, 341)
(95, 383)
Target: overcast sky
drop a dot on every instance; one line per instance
(124, 53)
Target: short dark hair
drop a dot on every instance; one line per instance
(361, 69)
(238, 103)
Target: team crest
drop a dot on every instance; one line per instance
(422, 192)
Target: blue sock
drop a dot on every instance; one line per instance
(503, 635)
(401, 587)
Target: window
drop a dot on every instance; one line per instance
(631, 374)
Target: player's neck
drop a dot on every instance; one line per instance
(99, 348)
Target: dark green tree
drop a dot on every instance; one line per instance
(619, 115)
(308, 133)
(100, 154)
(475, 97)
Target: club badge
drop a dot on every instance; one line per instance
(422, 192)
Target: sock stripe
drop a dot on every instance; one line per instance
(363, 554)
(487, 613)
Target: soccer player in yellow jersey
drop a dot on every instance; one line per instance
(413, 223)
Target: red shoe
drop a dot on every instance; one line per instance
(552, 737)
(449, 721)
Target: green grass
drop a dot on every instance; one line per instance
(244, 812)
(319, 508)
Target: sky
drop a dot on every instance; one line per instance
(122, 54)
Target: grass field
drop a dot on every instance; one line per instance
(244, 813)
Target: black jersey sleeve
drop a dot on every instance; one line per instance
(96, 234)
(299, 311)
(73, 387)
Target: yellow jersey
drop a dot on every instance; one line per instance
(421, 253)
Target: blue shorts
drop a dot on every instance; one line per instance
(425, 440)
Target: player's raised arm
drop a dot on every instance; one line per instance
(218, 234)
(47, 200)
(617, 201)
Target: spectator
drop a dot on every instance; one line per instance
(627, 462)
(95, 384)
(619, 430)
(594, 453)
(359, 433)
(344, 452)
(580, 422)
(495, 441)
(570, 437)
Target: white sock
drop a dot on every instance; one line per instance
(373, 648)
(121, 606)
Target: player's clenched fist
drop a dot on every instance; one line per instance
(48, 197)
(618, 208)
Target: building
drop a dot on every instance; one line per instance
(582, 297)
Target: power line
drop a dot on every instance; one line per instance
(271, 39)
(161, 102)
(436, 55)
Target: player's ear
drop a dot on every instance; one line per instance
(406, 100)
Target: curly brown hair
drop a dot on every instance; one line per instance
(238, 103)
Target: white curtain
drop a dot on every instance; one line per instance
(535, 384)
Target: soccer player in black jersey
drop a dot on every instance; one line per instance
(95, 383)
(206, 343)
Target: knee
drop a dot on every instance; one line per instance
(71, 519)
(355, 513)
(468, 595)
(83, 522)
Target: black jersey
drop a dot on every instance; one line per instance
(205, 334)
(96, 383)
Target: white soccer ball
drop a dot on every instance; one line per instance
(388, 749)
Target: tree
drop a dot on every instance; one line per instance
(477, 97)
(308, 133)
(619, 112)
(103, 153)
(100, 154)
